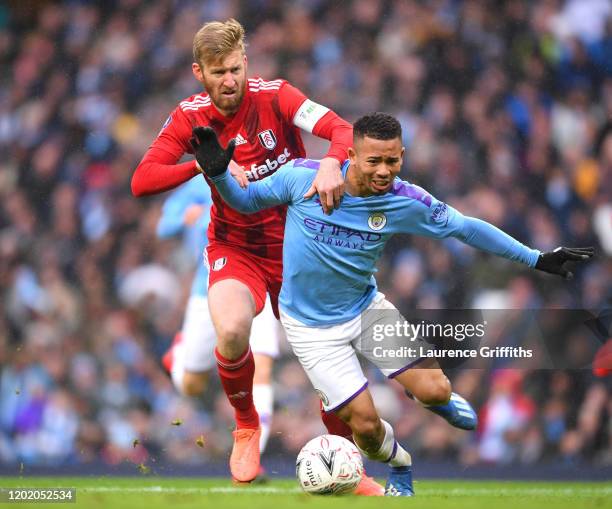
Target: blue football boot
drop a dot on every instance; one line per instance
(458, 412)
(399, 483)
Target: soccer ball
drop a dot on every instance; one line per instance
(329, 465)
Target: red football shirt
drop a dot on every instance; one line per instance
(267, 132)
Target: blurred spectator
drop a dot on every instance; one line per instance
(507, 115)
(505, 418)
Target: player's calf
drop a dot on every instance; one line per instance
(429, 386)
(376, 441)
(367, 487)
(368, 430)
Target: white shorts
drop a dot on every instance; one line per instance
(199, 337)
(329, 356)
(266, 332)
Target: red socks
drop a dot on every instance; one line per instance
(335, 425)
(237, 381)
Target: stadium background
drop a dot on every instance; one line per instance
(506, 109)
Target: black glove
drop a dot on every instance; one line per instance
(211, 157)
(554, 261)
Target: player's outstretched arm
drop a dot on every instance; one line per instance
(487, 237)
(213, 159)
(424, 215)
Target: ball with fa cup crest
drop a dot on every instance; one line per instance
(329, 465)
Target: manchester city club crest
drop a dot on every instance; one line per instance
(377, 221)
(267, 138)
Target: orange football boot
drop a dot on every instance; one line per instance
(244, 461)
(368, 487)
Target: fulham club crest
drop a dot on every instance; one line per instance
(219, 263)
(267, 139)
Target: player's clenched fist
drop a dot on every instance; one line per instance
(211, 157)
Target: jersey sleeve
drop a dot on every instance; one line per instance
(158, 171)
(425, 215)
(283, 187)
(171, 221)
(317, 119)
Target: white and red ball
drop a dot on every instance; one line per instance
(329, 465)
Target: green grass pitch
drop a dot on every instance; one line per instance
(150, 492)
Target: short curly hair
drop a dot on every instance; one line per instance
(380, 126)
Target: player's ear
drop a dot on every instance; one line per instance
(198, 72)
(352, 155)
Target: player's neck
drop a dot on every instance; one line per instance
(354, 185)
(228, 113)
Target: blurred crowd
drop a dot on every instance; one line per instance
(506, 108)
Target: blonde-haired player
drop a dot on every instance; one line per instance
(245, 251)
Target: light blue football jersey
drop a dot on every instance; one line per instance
(194, 192)
(329, 261)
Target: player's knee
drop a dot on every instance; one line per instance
(436, 391)
(194, 384)
(233, 338)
